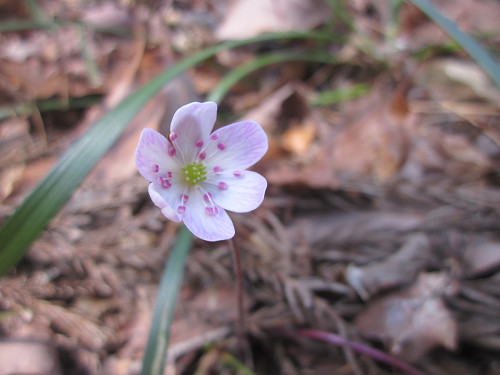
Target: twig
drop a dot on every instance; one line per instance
(240, 323)
(360, 348)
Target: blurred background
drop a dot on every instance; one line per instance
(381, 218)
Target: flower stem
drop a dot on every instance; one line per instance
(240, 323)
(360, 348)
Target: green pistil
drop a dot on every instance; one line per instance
(194, 173)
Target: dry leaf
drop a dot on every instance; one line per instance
(414, 320)
(248, 18)
(43, 358)
(297, 139)
(482, 258)
(376, 141)
(397, 270)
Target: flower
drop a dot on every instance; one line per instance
(198, 175)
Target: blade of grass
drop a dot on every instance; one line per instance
(52, 104)
(34, 214)
(340, 95)
(231, 362)
(473, 48)
(259, 62)
(92, 69)
(37, 14)
(159, 332)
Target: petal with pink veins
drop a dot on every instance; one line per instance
(209, 228)
(192, 125)
(244, 193)
(151, 155)
(236, 146)
(167, 199)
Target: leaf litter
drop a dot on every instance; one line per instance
(380, 222)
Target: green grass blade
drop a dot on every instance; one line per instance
(52, 104)
(340, 95)
(159, 332)
(230, 361)
(34, 214)
(259, 62)
(473, 48)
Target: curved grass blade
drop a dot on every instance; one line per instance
(259, 62)
(35, 213)
(159, 332)
(473, 48)
(340, 95)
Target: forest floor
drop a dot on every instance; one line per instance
(380, 223)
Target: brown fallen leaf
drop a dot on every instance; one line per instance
(247, 18)
(414, 320)
(482, 258)
(25, 356)
(397, 270)
(297, 139)
(376, 141)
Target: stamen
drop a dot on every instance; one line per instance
(169, 174)
(181, 209)
(222, 186)
(155, 168)
(203, 155)
(214, 136)
(184, 198)
(211, 211)
(171, 151)
(164, 182)
(173, 136)
(207, 197)
(199, 143)
(237, 174)
(217, 169)
(221, 146)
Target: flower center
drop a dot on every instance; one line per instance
(194, 173)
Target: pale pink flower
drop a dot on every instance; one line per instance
(196, 176)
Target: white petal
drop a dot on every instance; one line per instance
(152, 151)
(242, 194)
(236, 146)
(167, 199)
(192, 123)
(208, 228)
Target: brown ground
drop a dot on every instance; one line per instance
(380, 223)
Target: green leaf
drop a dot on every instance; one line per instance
(341, 94)
(473, 48)
(159, 332)
(261, 61)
